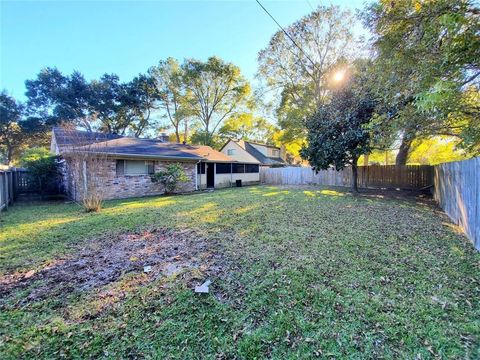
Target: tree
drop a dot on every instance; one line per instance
(246, 126)
(338, 133)
(105, 104)
(436, 150)
(168, 78)
(217, 91)
(170, 177)
(300, 76)
(54, 98)
(12, 138)
(428, 57)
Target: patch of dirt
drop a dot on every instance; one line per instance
(156, 253)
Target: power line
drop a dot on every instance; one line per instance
(286, 33)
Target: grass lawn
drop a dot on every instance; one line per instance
(303, 272)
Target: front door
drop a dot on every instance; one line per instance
(210, 175)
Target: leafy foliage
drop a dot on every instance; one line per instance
(43, 168)
(217, 91)
(105, 104)
(11, 134)
(427, 63)
(246, 126)
(170, 177)
(338, 133)
(172, 99)
(300, 79)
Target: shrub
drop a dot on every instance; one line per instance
(44, 169)
(170, 177)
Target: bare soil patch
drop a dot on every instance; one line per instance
(156, 252)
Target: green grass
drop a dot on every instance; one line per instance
(314, 272)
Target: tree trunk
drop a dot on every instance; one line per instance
(354, 177)
(185, 135)
(177, 134)
(9, 154)
(402, 155)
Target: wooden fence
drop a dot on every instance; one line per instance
(389, 176)
(8, 188)
(457, 191)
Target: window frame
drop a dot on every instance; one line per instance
(248, 168)
(121, 167)
(223, 168)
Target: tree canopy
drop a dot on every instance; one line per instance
(339, 132)
(299, 74)
(427, 68)
(217, 91)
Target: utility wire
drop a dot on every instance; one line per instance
(286, 33)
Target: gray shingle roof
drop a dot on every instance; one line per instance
(265, 160)
(72, 137)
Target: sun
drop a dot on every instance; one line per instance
(339, 75)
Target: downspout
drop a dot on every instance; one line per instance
(196, 174)
(85, 187)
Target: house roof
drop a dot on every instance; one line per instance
(122, 146)
(73, 137)
(265, 160)
(151, 148)
(249, 148)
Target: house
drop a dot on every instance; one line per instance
(248, 151)
(122, 166)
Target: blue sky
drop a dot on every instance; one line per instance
(126, 37)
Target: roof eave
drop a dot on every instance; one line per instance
(138, 156)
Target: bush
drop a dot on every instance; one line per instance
(44, 169)
(170, 177)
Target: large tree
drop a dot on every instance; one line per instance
(427, 68)
(339, 132)
(105, 104)
(11, 134)
(217, 91)
(246, 126)
(299, 73)
(168, 78)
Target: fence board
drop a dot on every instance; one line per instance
(457, 191)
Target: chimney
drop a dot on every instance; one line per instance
(163, 137)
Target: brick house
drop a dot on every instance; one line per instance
(122, 166)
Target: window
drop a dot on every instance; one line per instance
(201, 168)
(251, 168)
(224, 168)
(120, 167)
(231, 152)
(275, 153)
(135, 167)
(238, 168)
(150, 167)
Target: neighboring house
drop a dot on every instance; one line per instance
(123, 165)
(248, 151)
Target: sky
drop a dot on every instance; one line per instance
(127, 37)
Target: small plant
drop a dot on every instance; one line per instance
(170, 177)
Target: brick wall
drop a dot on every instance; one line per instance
(102, 176)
